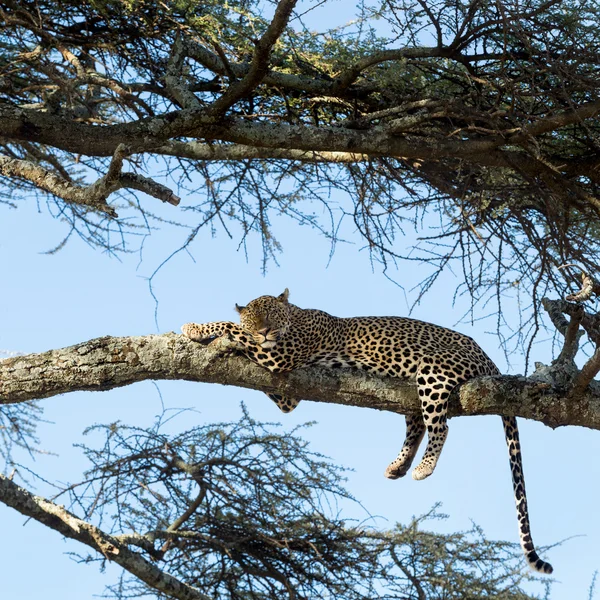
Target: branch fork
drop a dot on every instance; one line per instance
(93, 196)
(579, 318)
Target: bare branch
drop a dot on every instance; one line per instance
(236, 152)
(58, 518)
(94, 195)
(588, 287)
(587, 374)
(572, 335)
(50, 182)
(174, 77)
(147, 134)
(591, 324)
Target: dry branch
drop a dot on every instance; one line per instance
(94, 195)
(58, 518)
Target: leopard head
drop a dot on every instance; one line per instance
(266, 319)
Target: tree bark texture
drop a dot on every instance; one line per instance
(110, 362)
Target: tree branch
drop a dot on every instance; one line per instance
(347, 77)
(94, 195)
(260, 60)
(111, 362)
(80, 138)
(174, 77)
(58, 518)
(236, 152)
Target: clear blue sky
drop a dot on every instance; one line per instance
(80, 293)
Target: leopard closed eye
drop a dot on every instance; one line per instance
(280, 336)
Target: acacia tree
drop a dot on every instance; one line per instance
(480, 115)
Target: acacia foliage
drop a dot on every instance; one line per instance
(472, 122)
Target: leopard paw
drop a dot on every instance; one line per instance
(195, 333)
(397, 469)
(423, 470)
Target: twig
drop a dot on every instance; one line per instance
(589, 286)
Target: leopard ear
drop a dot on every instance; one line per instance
(239, 308)
(284, 297)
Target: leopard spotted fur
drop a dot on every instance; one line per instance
(281, 337)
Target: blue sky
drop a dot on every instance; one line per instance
(52, 301)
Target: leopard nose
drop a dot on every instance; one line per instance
(264, 331)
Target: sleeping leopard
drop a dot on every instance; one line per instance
(281, 337)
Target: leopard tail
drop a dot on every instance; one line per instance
(511, 432)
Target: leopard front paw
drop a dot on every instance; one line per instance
(224, 345)
(198, 334)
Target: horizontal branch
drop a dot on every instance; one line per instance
(146, 135)
(288, 81)
(58, 518)
(347, 77)
(235, 152)
(110, 362)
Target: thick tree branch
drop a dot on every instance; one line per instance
(89, 140)
(58, 518)
(259, 66)
(79, 138)
(106, 363)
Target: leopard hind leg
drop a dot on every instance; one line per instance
(284, 403)
(434, 386)
(415, 430)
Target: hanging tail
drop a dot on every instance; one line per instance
(511, 432)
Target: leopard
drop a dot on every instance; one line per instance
(282, 337)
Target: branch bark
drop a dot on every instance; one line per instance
(110, 362)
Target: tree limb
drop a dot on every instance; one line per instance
(80, 138)
(260, 60)
(58, 518)
(147, 134)
(110, 362)
(236, 152)
(94, 195)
